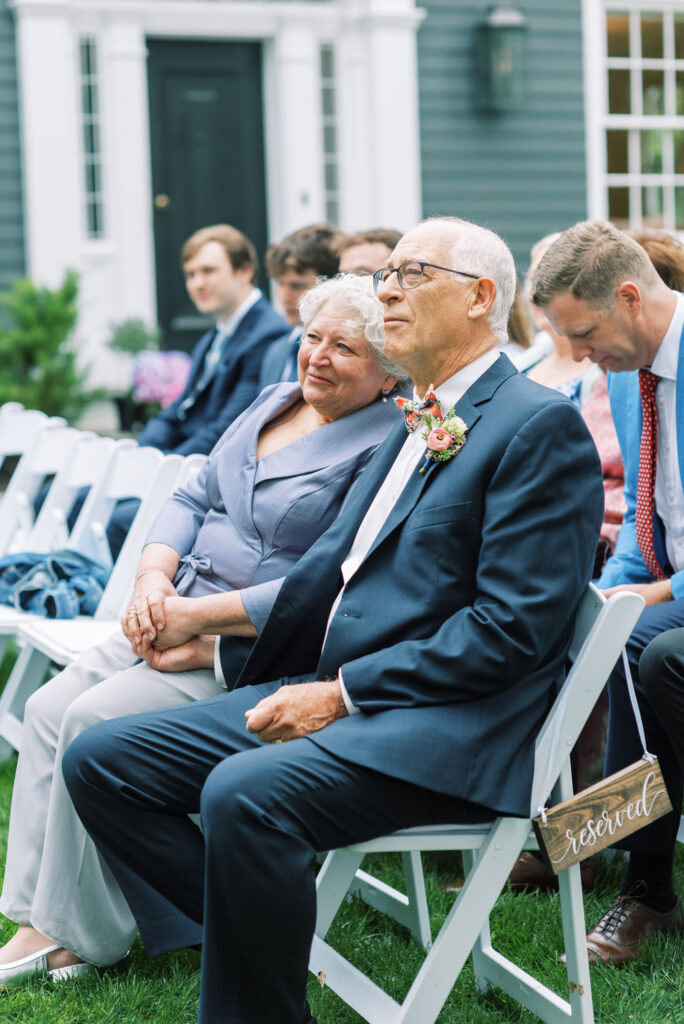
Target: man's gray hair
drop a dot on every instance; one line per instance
(352, 294)
(590, 260)
(482, 252)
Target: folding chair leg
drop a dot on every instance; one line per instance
(480, 892)
(417, 898)
(484, 939)
(574, 929)
(26, 676)
(333, 882)
(410, 909)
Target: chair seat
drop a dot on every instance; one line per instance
(63, 640)
(11, 619)
(428, 837)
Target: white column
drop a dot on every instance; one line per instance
(293, 131)
(128, 187)
(378, 92)
(49, 98)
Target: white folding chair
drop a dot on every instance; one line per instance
(142, 473)
(87, 464)
(489, 852)
(20, 434)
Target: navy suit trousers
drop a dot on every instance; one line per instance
(624, 746)
(265, 810)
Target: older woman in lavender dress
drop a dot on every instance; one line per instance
(213, 563)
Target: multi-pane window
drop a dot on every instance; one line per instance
(92, 153)
(644, 122)
(329, 120)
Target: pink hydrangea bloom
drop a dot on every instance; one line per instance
(160, 376)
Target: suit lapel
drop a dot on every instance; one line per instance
(467, 408)
(201, 350)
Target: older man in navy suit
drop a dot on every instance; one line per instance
(415, 648)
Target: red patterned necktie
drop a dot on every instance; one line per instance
(648, 454)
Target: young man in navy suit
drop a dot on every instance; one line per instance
(416, 648)
(219, 264)
(599, 289)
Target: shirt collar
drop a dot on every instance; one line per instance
(229, 326)
(454, 387)
(667, 356)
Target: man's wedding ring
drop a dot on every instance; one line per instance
(132, 613)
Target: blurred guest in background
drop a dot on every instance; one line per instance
(294, 265)
(366, 251)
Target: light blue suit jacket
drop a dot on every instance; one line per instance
(626, 564)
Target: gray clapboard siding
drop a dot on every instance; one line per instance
(521, 173)
(12, 252)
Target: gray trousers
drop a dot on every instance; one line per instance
(54, 878)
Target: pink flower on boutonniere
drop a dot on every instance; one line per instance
(439, 439)
(444, 440)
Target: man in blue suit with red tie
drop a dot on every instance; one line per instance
(415, 651)
(599, 289)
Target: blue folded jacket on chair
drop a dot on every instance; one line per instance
(58, 585)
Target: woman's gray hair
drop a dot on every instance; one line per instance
(353, 294)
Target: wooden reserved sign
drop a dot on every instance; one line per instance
(599, 816)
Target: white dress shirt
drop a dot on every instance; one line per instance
(669, 496)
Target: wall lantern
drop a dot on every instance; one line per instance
(502, 58)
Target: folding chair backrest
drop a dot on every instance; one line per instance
(601, 631)
(18, 429)
(191, 466)
(156, 476)
(10, 407)
(88, 463)
(49, 451)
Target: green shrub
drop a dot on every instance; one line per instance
(133, 336)
(37, 358)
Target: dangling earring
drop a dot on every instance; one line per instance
(385, 393)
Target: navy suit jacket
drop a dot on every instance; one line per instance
(233, 387)
(453, 633)
(275, 361)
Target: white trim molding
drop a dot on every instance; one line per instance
(377, 119)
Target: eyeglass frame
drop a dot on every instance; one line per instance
(399, 271)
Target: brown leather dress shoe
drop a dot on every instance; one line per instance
(531, 873)
(617, 937)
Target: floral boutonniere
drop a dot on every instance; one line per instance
(444, 435)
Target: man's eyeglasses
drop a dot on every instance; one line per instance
(410, 274)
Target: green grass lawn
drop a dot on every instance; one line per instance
(525, 927)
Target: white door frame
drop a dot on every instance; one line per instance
(379, 145)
